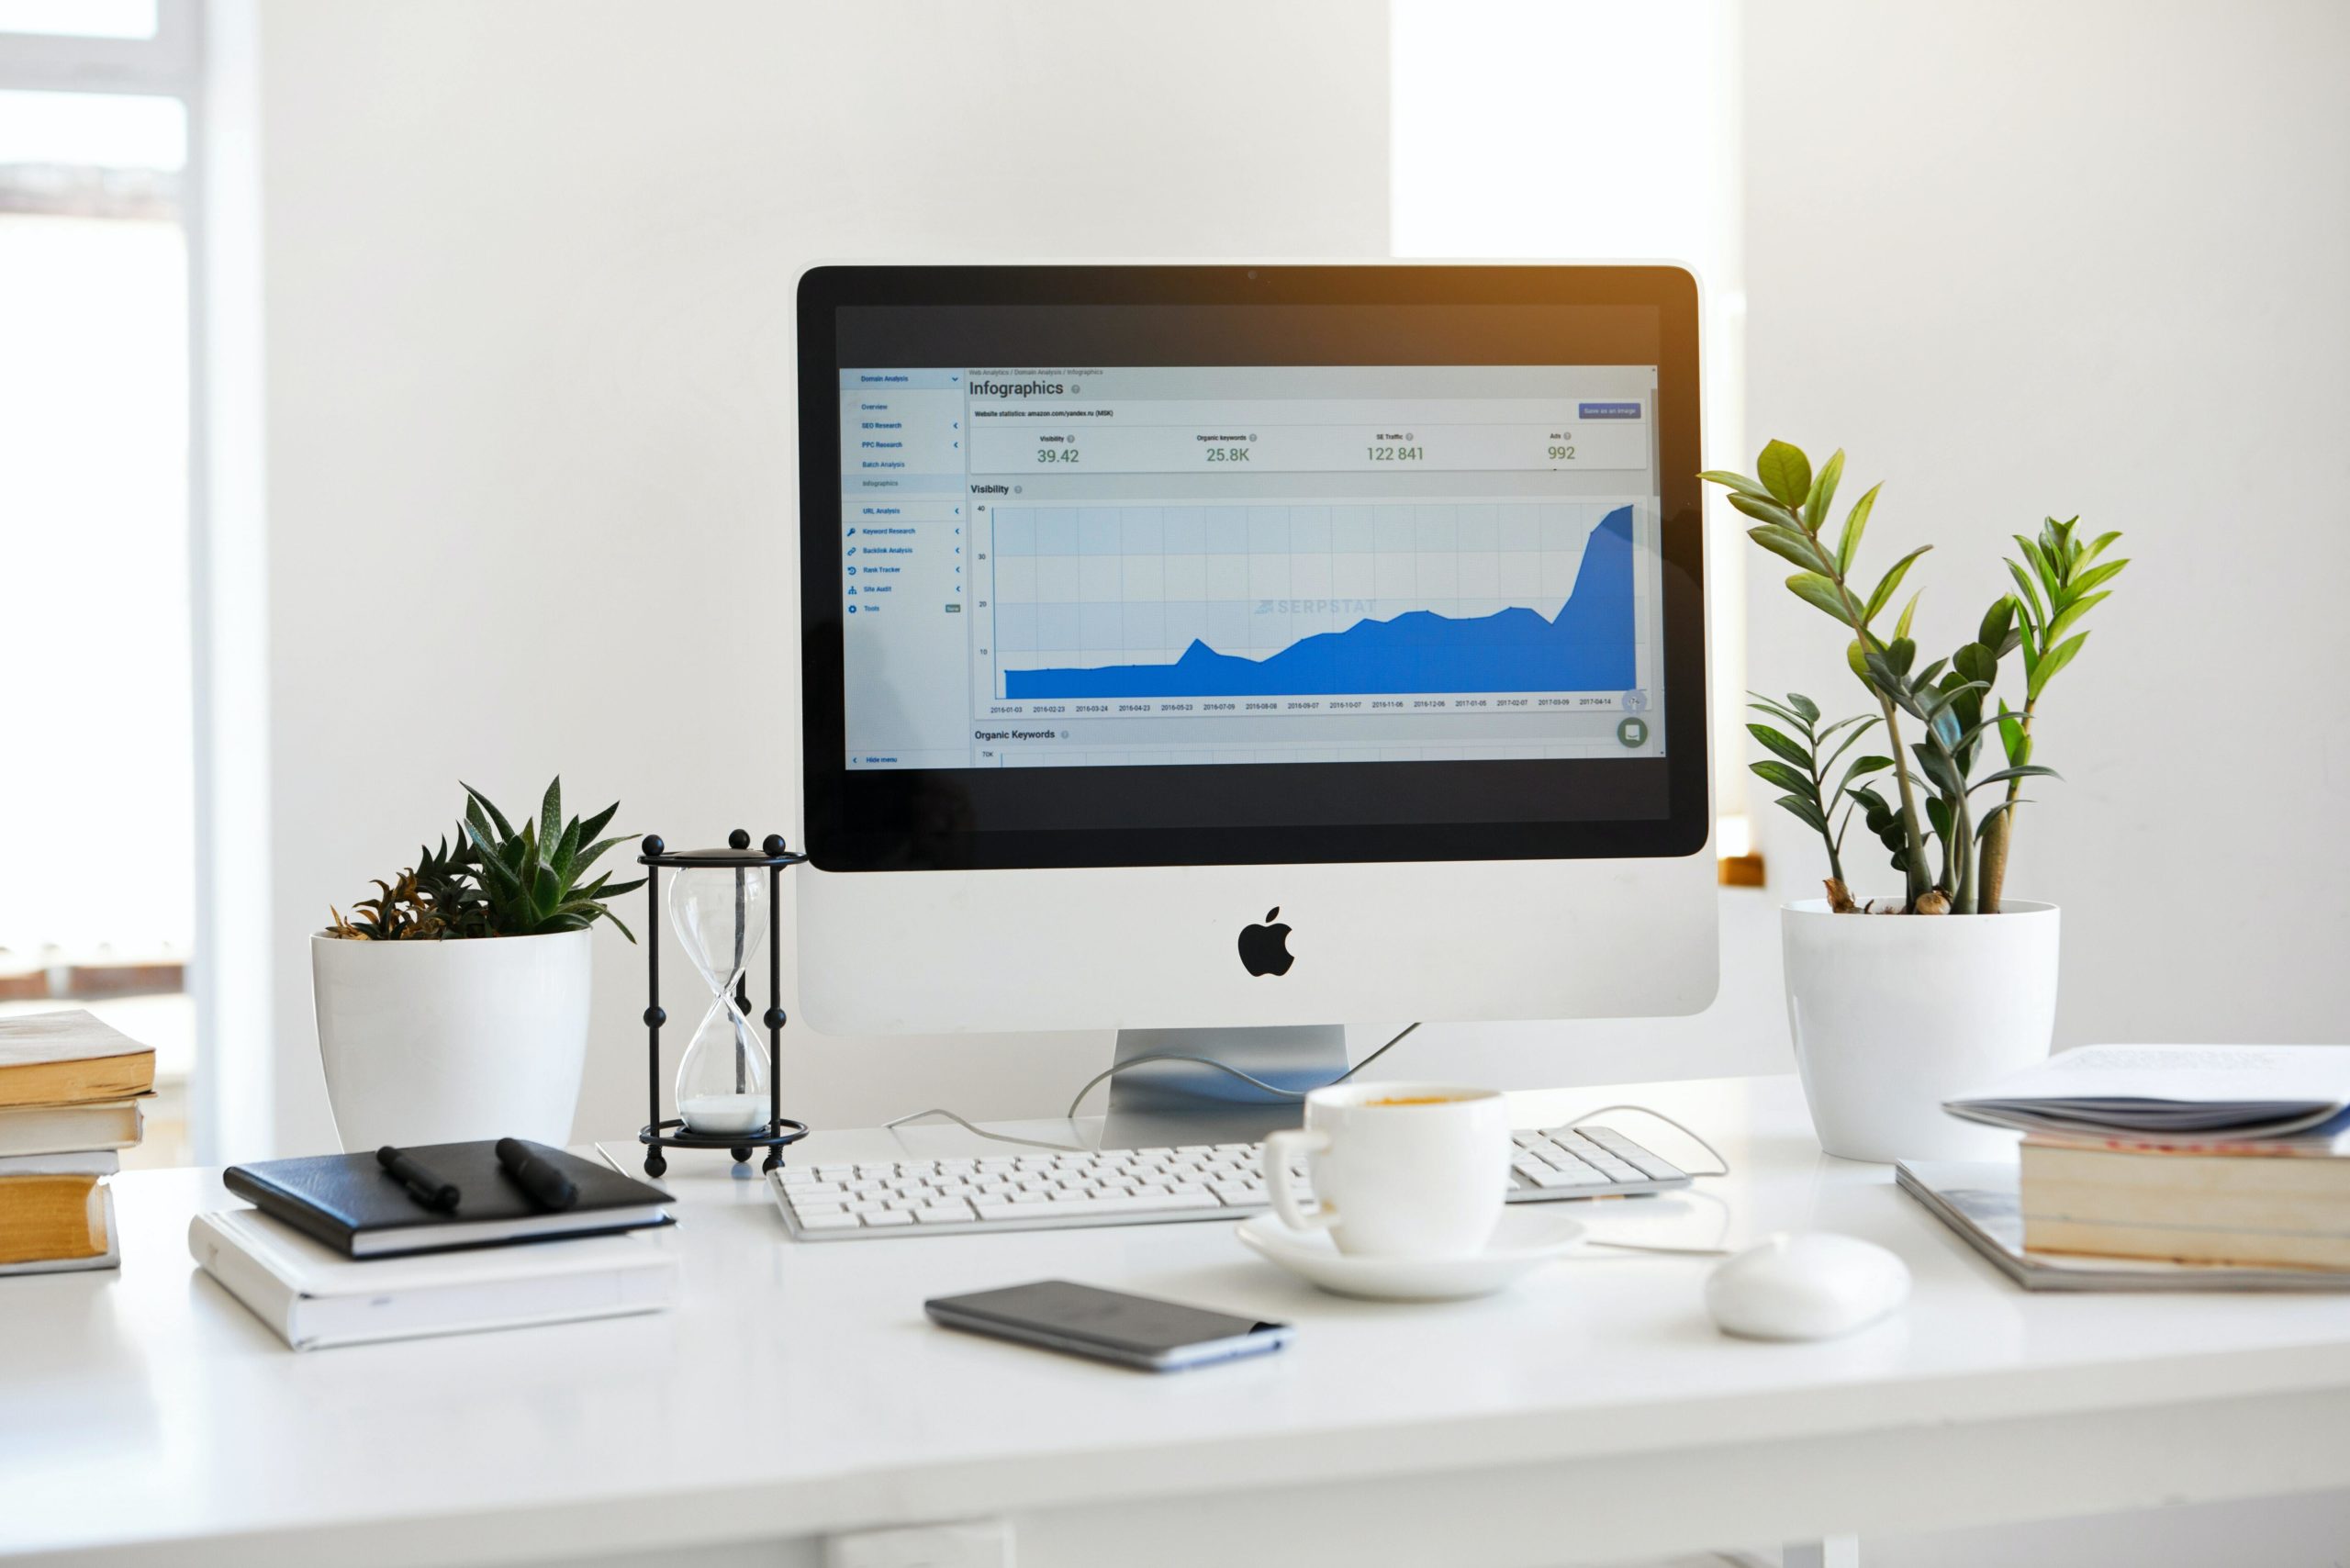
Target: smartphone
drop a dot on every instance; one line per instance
(1109, 1326)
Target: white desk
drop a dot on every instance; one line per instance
(1592, 1413)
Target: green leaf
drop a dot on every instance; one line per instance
(2092, 578)
(1983, 823)
(595, 824)
(1789, 543)
(1975, 662)
(2073, 612)
(1738, 484)
(1856, 523)
(617, 889)
(505, 828)
(590, 855)
(1804, 810)
(2041, 566)
(1888, 682)
(2034, 615)
(1858, 657)
(1883, 593)
(1813, 588)
(2032, 771)
(1805, 706)
(1765, 509)
(1823, 491)
(550, 812)
(2097, 547)
(1938, 815)
(2056, 658)
(1786, 472)
(1793, 780)
(1908, 613)
(546, 891)
(1999, 624)
(1940, 769)
(1775, 741)
(565, 849)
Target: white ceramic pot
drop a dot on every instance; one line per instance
(1893, 1014)
(444, 1042)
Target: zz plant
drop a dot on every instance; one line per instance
(1952, 855)
(497, 881)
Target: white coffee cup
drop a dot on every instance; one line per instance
(1399, 1170)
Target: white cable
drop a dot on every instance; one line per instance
(1643, 1110)
(999, 1137)
(1117, 1068)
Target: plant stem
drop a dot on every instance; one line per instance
(1996, 840)
(1962, 832)
(1915, 856)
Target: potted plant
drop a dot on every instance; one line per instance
(453, 1005)
(1892, 1009)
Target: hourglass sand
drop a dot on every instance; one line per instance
(723, 902)
(721, 916)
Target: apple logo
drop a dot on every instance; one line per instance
(1264, 949)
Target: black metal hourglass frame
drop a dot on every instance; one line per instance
(656, 1136)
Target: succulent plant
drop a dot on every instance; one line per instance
(2060, 583)
(531, 880)
(433, 899)
(496, 882)
(1801, 766)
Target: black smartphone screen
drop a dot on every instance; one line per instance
(1135, 1329)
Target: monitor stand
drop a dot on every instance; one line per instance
(1165, 1104)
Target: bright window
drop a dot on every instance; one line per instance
(1575, 131)
(97, 909)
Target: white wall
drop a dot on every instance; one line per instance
(530, 485)
(2022, 259)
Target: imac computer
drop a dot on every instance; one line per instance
(1221, 654)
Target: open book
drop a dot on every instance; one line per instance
(2208, 1092)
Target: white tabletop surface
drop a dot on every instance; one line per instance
(146, 1418)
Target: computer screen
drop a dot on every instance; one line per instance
(1092, 565)
(1182, 566)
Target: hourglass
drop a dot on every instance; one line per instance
(728, 1096)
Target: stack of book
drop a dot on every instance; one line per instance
(339, 1250)
(2220, 1157)
(70, 1088)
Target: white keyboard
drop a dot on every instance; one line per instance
(1042, 1190)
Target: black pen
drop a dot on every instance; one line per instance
(422, 1185)
(548, 1187)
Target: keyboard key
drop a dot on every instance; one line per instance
(830, 1222)
(887, 1217)
(943, 1213)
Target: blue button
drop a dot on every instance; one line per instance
(1607, 411)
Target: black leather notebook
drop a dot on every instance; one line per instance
(351, 1203)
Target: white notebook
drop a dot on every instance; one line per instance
(2238, 1091)
(315, 1297)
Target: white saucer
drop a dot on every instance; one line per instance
(1523, 1241)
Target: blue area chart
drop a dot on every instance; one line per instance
(1587, 647)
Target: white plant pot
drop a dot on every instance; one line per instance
(446, 1042)
(1893, 1014)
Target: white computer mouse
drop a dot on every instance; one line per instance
(1806, 1286)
